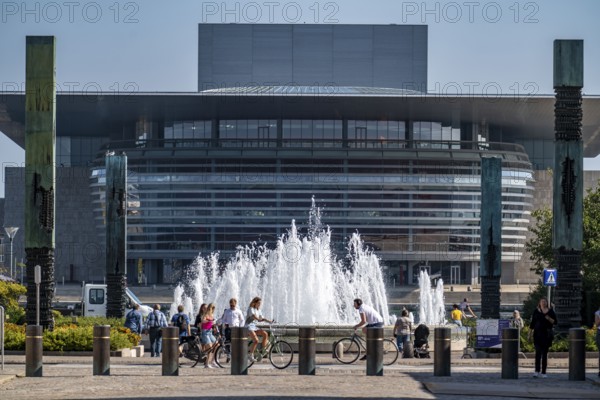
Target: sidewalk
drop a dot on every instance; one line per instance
(71, 378)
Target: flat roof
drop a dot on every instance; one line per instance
(102, 113)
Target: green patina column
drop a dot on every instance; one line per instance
(40, 138)
(116, 234)
(567, 227)
(491, 236)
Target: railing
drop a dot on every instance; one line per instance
(2, 319)
(310, 143)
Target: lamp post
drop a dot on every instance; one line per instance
(11, 231)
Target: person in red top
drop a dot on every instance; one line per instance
(208, 338)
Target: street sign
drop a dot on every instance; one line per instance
(550, 277)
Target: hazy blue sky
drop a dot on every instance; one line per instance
(474, 46)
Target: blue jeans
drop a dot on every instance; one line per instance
(155, 342)
(400, 339)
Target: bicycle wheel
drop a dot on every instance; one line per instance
(223, 355)
(281, 354)
(194, 353)
(390, 352)
(346, 350)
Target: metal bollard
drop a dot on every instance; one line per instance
(239, 351)
(101, 350)
(306, 351)
(577, 354)
(33, 351)
(170, 351)
(510, 353)
(441, 351)
(374, 351)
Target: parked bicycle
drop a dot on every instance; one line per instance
(221, 349)
(279, 351)
(348, 350)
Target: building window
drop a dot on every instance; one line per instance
(248, 133)
(188, 133)
(375, 134)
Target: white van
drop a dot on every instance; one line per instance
(94, 301)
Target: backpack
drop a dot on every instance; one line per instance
(181, 323)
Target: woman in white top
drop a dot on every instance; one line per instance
(252, 317)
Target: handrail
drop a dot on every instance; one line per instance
(2, 319)
(285, 143)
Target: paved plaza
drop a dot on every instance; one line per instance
(135, 378)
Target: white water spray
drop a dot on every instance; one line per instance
(431, 307)
(300, 281)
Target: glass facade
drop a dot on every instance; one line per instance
(413, 208)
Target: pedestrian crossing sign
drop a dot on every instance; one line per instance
(550, 277)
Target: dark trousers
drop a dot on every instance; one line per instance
(541, 357)
(155, 342)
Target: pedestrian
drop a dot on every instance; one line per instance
(542, 330)
(369, 317)
(254, 315)
(465, 308)
(198, 320)
(597, 322)
(133, 320)
(402, 330)
(456, 315)
(155, 321)
(182, 321)
(516, 321)
(232, 317)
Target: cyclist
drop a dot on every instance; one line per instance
(368, 316)
(208, 338)
(254, 315)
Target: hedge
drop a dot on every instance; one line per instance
(69, 338)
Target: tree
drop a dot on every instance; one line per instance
(540, 245)
(542, 254)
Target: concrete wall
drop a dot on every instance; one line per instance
(76, 238)
(392, 56)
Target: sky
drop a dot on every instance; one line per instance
(479, 47)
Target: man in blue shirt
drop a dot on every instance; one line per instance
(182, 321)
(133, 320)
(155, 321)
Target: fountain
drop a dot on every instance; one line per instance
(301, 281)
(431, 307)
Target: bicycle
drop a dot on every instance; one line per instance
(347, 350)
(221, 350)
(279, 351)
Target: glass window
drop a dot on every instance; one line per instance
(96, 296)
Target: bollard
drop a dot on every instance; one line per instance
(441, 352)
(577, 354)
(101, 350)
(239, 351)
(33, 351)
(170, 351)
(510, 353)
(306, 351)
(374, 351)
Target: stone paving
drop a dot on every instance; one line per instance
(71, 378)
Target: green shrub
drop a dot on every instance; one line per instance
(9, 299)
(14, 336)
(88, 321)
(69, 338)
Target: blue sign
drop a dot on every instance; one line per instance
(550, 277)
(489, 332)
